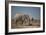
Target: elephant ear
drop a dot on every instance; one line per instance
(32, 19)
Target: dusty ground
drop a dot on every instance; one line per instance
(31, 25)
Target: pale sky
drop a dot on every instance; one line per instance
(33, 11)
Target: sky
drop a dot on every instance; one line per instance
(33, 11)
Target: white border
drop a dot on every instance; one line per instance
(25, 29)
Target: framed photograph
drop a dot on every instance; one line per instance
(24, 17)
